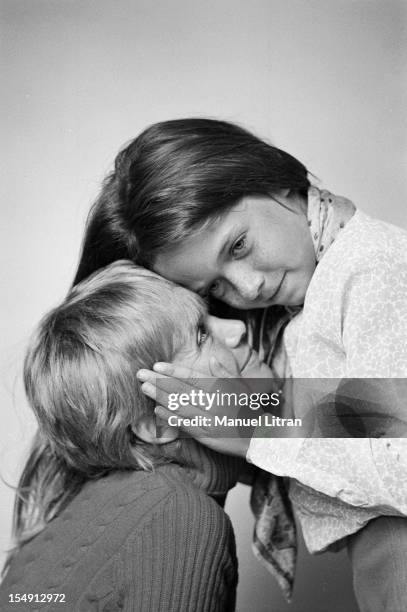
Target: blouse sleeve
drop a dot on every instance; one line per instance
(375, 341)
(375, 322)
(368, 472)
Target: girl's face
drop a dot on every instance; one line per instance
(224, 339)
(257, 254)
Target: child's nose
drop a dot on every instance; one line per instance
(229, 331)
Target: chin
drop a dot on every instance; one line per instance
(295, 303)
(295, 300)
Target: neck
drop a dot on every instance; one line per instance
(299, 202)
(210, 471)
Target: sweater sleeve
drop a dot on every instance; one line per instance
(182, 560)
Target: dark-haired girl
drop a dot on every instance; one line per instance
(323, 288)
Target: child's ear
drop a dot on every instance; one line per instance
(153, 430)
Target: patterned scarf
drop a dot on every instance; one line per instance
(275, 538)
(327, 215)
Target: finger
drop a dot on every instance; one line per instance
(171, 403)
(149, 375)
(166, 383)
(208, 436)
(192, 378)
(178, 371)
(158, 395)
(195, 431)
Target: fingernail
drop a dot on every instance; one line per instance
(147, 388)
(162, 368)
(142, 374)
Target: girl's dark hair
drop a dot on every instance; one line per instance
(172, 179)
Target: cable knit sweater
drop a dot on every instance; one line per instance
(137, 541)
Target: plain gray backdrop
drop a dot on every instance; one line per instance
(324, 79)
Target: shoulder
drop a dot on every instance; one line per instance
(369, 255)
(188, 509)
(146, 498)
(140, 493)
(363, 243)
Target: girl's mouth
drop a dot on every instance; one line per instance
(274, 295)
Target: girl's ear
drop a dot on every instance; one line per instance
(153, 430)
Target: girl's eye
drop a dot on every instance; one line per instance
(202, 334)
(239, 246)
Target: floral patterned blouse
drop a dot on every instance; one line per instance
(353, 326)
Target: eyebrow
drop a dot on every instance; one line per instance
(229, 239)
(226, 243)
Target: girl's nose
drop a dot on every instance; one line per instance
(230, 331)
(249, 288)
(247, 282)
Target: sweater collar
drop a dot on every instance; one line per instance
(212, 472)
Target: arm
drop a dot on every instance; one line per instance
(375, 322)
(364, 472)
(376, 347)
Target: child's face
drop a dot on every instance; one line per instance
(259, 254)
(224, 339)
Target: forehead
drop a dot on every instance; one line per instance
(199, 258)
(188, 310)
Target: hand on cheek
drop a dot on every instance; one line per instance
(169, 381)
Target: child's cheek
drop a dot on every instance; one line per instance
(228, 360)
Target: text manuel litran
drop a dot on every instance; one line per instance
(263, 420)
